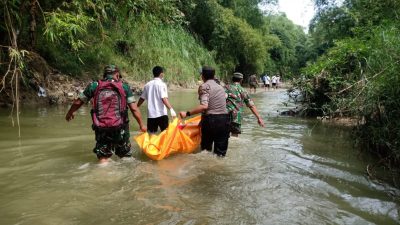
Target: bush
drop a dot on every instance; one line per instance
(379, 97)
(136, 49)
(359, 77)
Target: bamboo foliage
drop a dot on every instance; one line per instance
(15, 64)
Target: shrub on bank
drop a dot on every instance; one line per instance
(359, 77)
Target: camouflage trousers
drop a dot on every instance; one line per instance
(113, 141)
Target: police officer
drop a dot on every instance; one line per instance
(215, 120)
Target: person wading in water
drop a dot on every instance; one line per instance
(156, 94)
(237, 96)
(111, 100)
(215, 119)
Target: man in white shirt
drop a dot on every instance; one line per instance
(156, 94)
(278, 81)
(267, 81)
(273, 81)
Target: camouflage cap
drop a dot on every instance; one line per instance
(110, 69)
(238, 75)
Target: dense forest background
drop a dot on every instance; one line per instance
(346, 65)
(80, 36)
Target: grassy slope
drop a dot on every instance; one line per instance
(145, 45)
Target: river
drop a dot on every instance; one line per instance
(293, 171)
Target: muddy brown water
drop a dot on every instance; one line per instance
(293, 171)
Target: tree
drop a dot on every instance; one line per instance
(288, 56)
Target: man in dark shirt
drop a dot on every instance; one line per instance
(253, 83)
(215, 120)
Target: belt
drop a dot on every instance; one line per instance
(214, 115)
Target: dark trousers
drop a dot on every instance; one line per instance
(215, 130)
(109, 141)
(154, 123)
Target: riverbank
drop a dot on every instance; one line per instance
(61, 89)
(43, 85)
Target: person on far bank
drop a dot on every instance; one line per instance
(253, 83)
(237, 96)
(111, 99)
(156, 94)
(215, 120)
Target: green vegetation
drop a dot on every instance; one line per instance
(136, 50)
(347, 65)
(288, 55)
(79, 37)
(246, 40)
(82, 36)
(353, 70)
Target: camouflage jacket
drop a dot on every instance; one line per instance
(237, 96)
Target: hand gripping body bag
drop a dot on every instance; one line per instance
(177, 138)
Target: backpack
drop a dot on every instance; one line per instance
(109, 106)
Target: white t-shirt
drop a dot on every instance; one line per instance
(274, 79)
(267, 79)
(153, 92)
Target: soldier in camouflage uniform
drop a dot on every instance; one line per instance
(237, 96)
(110, 141)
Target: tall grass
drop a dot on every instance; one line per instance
(360, 77)
(145, 45)
(379, 97)
(171, 47)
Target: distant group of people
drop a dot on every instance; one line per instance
(221, 108)
(273, 81)
(267, 81)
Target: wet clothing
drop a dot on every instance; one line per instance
(109, 141)
(215, 120)
(237, 96)
(154, 123)
(215, 130)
